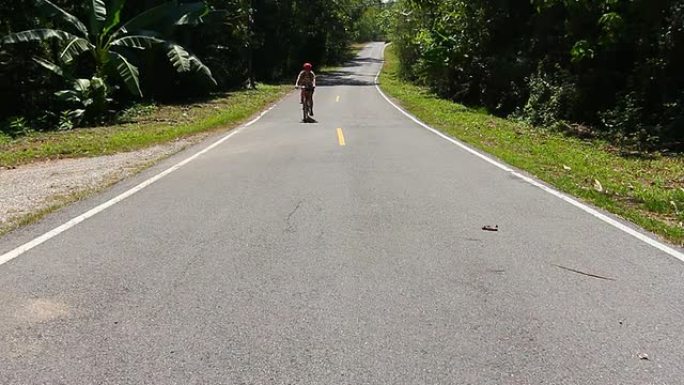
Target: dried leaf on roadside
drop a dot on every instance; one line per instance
(598, 186)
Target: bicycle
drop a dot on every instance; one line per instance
(307, 105)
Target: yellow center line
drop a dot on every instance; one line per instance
(338, 99)
(340, 137)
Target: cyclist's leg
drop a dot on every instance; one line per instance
(311, 102)
(305, 106)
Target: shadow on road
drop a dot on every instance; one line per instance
(350, 74)
(345, 78)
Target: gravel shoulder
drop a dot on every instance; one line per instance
(28, 190)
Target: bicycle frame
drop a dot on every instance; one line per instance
(307, 106)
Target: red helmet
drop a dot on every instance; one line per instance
(308, 66)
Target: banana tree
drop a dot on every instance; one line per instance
(111, 41)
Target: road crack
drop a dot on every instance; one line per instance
(290, 226)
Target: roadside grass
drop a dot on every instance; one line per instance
(142, 126)
(647, 190)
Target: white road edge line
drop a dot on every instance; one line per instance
(4, 258)
(615, 223)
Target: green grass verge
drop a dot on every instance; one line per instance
(145, 127)
(646, 191)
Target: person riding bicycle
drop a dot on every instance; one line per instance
(307, 82)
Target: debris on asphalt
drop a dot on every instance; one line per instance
(584, 273)
(643, 356)
(491, 228)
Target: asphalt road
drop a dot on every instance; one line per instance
(283, 257)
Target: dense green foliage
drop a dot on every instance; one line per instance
(615, 65)
(110, 45)
(373, 24)
(163, 60)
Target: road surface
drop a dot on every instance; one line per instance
(282, 256)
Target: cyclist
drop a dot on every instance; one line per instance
(307, 82)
